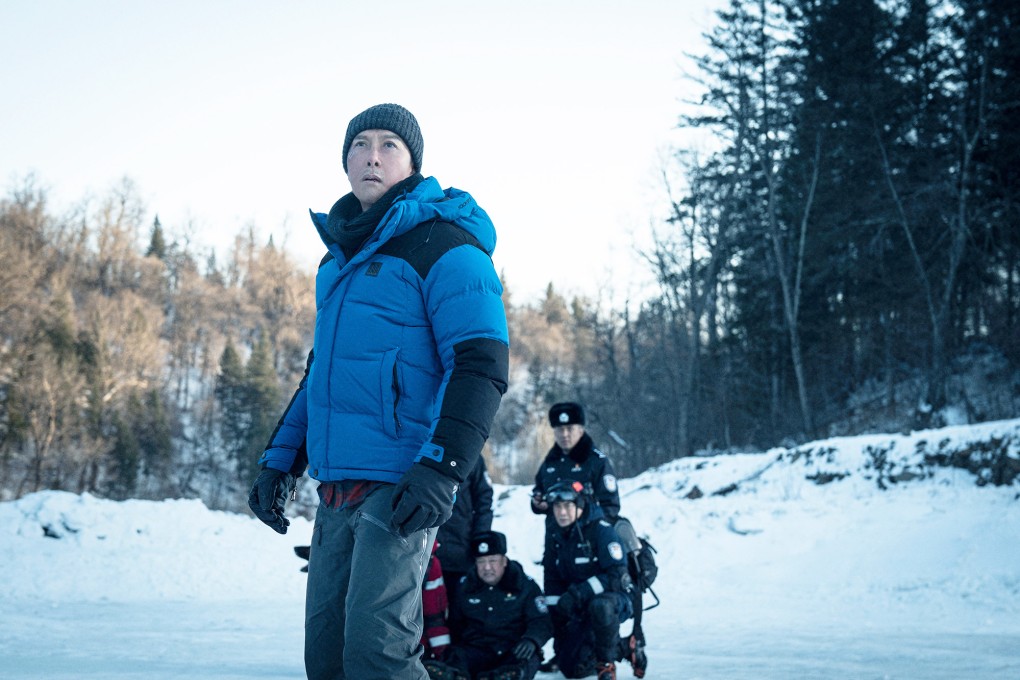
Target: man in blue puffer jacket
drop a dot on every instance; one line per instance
(409, 362)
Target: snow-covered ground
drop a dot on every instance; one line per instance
(780, 577)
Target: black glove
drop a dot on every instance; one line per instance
(268, 495)
(570, 603)
(537, 499)
(422, 499)
(525, 649)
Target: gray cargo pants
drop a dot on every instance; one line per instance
(363, 615)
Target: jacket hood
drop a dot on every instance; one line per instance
(427, 201)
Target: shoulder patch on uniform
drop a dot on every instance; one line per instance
(605, 523)
(616, 551)
(609, 481)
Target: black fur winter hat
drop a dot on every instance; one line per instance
(566, 413)
(488, 543)
(394, 118)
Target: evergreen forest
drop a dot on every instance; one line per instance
(846, 259)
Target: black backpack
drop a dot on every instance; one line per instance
(642, 566)
(640, 558)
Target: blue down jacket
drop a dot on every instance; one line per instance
(410, 355)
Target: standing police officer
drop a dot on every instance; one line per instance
(574, 458)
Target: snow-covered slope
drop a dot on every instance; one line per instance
(867, 551)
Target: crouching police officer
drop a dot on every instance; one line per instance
(586, 579)
(498, 619)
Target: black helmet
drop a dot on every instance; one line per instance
(567, 491)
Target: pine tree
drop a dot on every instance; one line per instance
(263, 389)
(234, 414)
(155, 441)
(157, 242)
(126, 455)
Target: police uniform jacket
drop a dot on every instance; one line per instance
(587, 554)
(472, 515)
(586, 464)
(498, 617)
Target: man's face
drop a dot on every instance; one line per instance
(566, 513)
(567, 436)
(491, 568)
(377, 160)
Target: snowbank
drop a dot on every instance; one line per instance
(892, 554)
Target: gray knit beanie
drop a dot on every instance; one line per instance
(394, 118)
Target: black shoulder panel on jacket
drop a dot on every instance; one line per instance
(325, 258)
(422, 246)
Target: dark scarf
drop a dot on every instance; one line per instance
(349, 227)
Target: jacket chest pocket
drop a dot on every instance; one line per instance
(585, 561)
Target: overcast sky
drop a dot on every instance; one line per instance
(554, 114)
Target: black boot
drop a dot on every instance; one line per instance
(605, 670)
(635, 653)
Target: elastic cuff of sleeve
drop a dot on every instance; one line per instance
(434, 456)
(430, 451)
(273, 464)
